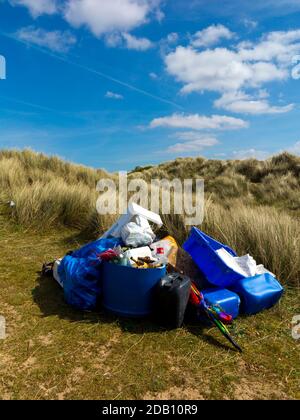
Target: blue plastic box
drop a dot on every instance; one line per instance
(128, 291)
(202, 249)
(258, 293)
(226, 299)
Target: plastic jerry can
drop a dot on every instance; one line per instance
(258, 293)
(227, 300)
(170, 300)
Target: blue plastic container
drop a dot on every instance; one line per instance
(258, 293)
(128, 291)
(202, 249)
(226, 299)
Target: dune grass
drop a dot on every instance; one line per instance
(274, 182)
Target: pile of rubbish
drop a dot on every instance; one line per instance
(132, 272)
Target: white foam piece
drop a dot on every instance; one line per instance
(132, 211)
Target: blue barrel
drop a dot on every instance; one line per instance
(127, 291)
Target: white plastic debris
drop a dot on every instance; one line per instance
(135, 235)
(11, 204)
(55, 272)
(245, 265)
(142, 252)
(134, 211)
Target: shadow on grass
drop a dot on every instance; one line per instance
(49, 297)
(200, 331)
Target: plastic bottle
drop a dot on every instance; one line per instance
(159, 253)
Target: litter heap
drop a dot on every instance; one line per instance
(133, 273)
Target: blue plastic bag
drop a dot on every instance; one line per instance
(81, 282)
(93, 248)
(80, 274)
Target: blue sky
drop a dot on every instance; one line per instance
(116, 84)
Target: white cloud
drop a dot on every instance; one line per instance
(192, 142)
(172, 38)
(153, 76)
(113, 95)
(265, 72)
(295, 149)
(211, 36)
(278, 46)
(159, 15)
(230, 71)
(218, 70)
(114, 39)
(37, 7)
(240, 102)
(126, 40)
(199, 122)
(250, 24)
(212, 69)
(103, 16)
(58, 41)
(263, 154)
(111, 19)
(134, 43)
(251, 154)
(167, 43)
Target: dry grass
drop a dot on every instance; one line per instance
(273, 182)
(48, 192)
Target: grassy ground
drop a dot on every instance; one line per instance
(52, 351)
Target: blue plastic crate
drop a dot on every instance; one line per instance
(202, 249)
